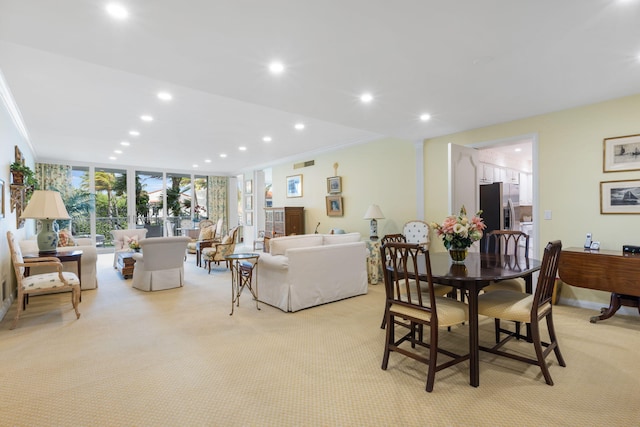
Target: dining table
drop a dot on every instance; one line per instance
(478, 271)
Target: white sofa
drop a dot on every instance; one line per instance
(89, 279)
(306, 270)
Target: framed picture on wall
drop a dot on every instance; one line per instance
(621, 153)
(294, 186)
(334, 185)
(334, 206)
(248, 186)
(620, 197)
(2, 198)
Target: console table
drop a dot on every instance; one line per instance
(610, 271)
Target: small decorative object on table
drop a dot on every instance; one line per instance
(135, 246)
(459, 232)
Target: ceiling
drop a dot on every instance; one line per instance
(82, 79)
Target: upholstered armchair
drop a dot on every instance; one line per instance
(122, 238)
(218, 251)
(161, 263)
(207, 232)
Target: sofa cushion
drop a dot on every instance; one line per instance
(65, 238)
(334, 239)
(279, 245)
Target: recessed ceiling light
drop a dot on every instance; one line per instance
(146, 118)
(125, 143)
(299, 126)
(117, 11)
(242, 148)
(425, 117)
(517, 150)
(366, 98)
(134, 133)
(117, 151)
(207, 160)
(165, 96)
(223, 155)
(195, 166)
(113, 158)
(267, 139)
(276, 67)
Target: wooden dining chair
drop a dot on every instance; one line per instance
(415, 301)
(440, 290)
(531, 309)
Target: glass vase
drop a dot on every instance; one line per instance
(458, 255)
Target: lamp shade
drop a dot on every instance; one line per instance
(374, 212)
(45, 205)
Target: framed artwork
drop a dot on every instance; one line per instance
(334, 206)
(620, 197)
(248, 186)
(2, 198)
(248, 203)
(621, 153)
(294, 186)
(249, 220)
(334, 185)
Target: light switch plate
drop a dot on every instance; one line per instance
(547, 214)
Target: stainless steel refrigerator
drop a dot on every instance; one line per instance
(500, 205)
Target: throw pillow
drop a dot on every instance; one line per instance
(65, 238)
(208, 233)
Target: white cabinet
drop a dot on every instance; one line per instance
(526, 189)
(486, 173)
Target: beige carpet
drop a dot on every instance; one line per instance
(176, 357)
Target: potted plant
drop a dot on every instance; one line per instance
(22, 174)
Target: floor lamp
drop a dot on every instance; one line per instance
(46, 206)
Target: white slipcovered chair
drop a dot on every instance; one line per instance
(417, 231)
(161, 263)
(122, 238)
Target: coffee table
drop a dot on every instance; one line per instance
(126, 264)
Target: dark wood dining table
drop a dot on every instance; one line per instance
(478, 271)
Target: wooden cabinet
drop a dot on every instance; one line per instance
(284, 221)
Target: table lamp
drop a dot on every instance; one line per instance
(373, 213)
(46, 206)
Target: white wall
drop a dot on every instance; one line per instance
(570, 149)
(381, 172)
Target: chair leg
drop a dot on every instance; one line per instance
(75, 298)
(554, 340)
(19, 310)
(537, 345)
(390, 338)
(384, 317)
(497, 326)
(433, 358)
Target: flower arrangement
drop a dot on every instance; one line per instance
(458, 231)
(134, 245)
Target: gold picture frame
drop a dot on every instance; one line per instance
(620, 197)
(334, 206)
(621, 153)
(334, 185)
(294, 186)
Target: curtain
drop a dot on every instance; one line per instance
(217, 188)
(54, 177)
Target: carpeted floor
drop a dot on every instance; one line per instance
(176, 357)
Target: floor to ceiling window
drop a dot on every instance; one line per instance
(110, 201)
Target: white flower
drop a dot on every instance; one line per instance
(461, 230)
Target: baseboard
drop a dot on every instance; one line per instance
(596, 306)
(6, 304)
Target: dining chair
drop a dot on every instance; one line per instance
(440, 290)
(506, 242)
(416, 231)
(531, 309)
(415, 301)
(40, 283)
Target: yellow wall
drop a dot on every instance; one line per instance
(569, 174)
(381, 172)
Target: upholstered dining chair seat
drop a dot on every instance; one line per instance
(50, 281)
(450, 312)
(509, 305)
(517, 285)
